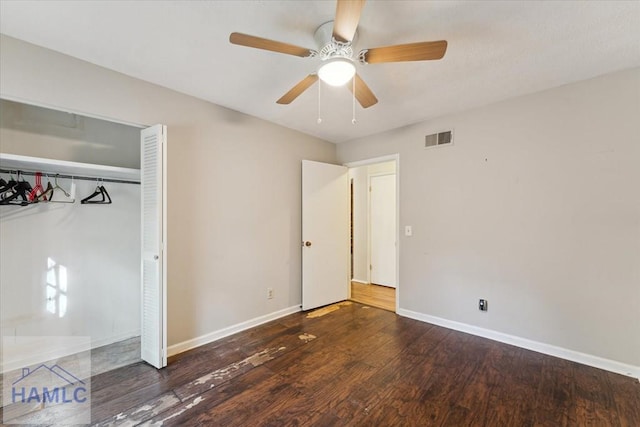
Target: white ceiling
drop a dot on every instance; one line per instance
(497, 50)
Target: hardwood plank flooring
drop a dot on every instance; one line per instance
(356, 365)
(103, 359)
(374, 295)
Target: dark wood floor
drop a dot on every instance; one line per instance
(362, 366)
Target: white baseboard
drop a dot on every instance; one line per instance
(552, 350)
(48, 354)
(364, 282)
(230, 330)
(115, 338)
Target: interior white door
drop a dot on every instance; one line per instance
(382, 223)
(325, 234)
(154, 306)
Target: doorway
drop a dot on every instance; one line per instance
(374, 232)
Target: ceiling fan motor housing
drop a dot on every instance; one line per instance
(328, 47)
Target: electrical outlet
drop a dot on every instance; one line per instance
(269, 293)
(483, 305)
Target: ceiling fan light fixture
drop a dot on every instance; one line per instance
(337, 71)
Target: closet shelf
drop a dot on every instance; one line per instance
(63, 167)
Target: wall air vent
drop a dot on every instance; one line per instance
(442, 138)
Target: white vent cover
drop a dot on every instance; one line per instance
(442, 138)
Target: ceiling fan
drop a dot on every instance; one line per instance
(335, 40)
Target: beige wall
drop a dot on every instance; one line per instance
(536, 208)
(233, 191)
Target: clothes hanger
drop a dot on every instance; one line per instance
(104, 191)
(47, 193)
(57, 186)
(6, 186)
(104, 194)
(24, 183)
(19, 188)
(99, 191)
(38, 190)
(24, 188)
(71, 194)
(7, 191)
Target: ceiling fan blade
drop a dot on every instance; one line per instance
(347, 18)
(297, 90)
(365, 97)
(421, 51)
(266, 44)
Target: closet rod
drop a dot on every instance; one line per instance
(84, 178)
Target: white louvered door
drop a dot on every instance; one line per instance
(154, 307)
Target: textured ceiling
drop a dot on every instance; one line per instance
(497, 50)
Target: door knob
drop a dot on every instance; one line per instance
(307, 243)
(156, 257)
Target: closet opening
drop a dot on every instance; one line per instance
(71, 247)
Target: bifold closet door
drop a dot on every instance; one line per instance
(154, 306)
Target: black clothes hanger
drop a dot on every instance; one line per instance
(19, 188)
(47, 194)
(100, 191)
(6, 186)
(8, 190)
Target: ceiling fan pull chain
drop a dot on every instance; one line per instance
(353, 106)
(319, 84)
